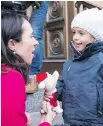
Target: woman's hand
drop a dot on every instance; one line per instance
(49, 116)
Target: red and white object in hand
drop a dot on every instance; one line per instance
(48, 82)
(40, 79)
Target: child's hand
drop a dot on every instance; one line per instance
(47, 96)
(28, 119)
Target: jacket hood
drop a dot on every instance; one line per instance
(90, 50)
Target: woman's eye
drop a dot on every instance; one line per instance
(32, 36)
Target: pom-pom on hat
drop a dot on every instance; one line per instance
(90, 20)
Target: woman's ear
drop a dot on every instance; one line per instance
(11, 44)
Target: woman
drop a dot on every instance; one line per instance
(17, 45)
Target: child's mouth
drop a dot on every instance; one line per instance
(78, 44)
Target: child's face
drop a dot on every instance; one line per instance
(81, 38)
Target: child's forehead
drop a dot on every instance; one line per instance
(78, 29)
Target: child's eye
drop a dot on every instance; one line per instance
(73, 32)
(81, 33)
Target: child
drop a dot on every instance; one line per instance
(81, 85)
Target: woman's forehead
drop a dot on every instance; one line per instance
(26, 26)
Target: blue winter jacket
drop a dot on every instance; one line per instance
(81, 87)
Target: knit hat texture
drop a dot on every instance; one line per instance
(90, 20)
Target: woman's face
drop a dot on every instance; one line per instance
(81, 38)
(26, 46)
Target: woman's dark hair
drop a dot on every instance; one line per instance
(11, 28)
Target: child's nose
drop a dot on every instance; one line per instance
(75, 37)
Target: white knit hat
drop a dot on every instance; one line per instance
(91, 20)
